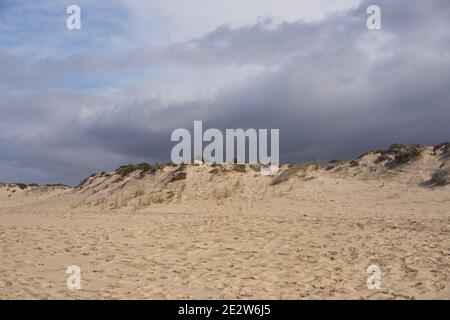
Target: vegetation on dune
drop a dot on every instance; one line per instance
(317, 165)
(409, 154)
(255, 167)
(178, 174)
(144, 168)
(284, 176)
(399, 153)
(125, 170)
(128, 169)
(334, 164)
(303, 167)
(214, 171)
(354, 163)
(217, 168)
(339, 164)
(441, 177)
(443, 147)
(239, 168)
(82, 183)
(57, 185)
(293, 170)
(181, 167)
(396, 154)
(21, 186)
(12, 185)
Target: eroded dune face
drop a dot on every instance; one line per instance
(226, 231)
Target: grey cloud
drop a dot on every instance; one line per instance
(329, 94)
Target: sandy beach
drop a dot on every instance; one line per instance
(228, 234)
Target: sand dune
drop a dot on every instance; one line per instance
(225, 231)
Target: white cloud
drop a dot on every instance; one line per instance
(178, 20)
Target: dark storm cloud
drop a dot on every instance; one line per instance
(333, 88)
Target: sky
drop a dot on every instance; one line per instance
(74, 102)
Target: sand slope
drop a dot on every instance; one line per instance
(233, 234)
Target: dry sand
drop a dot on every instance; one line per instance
(232, 235)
